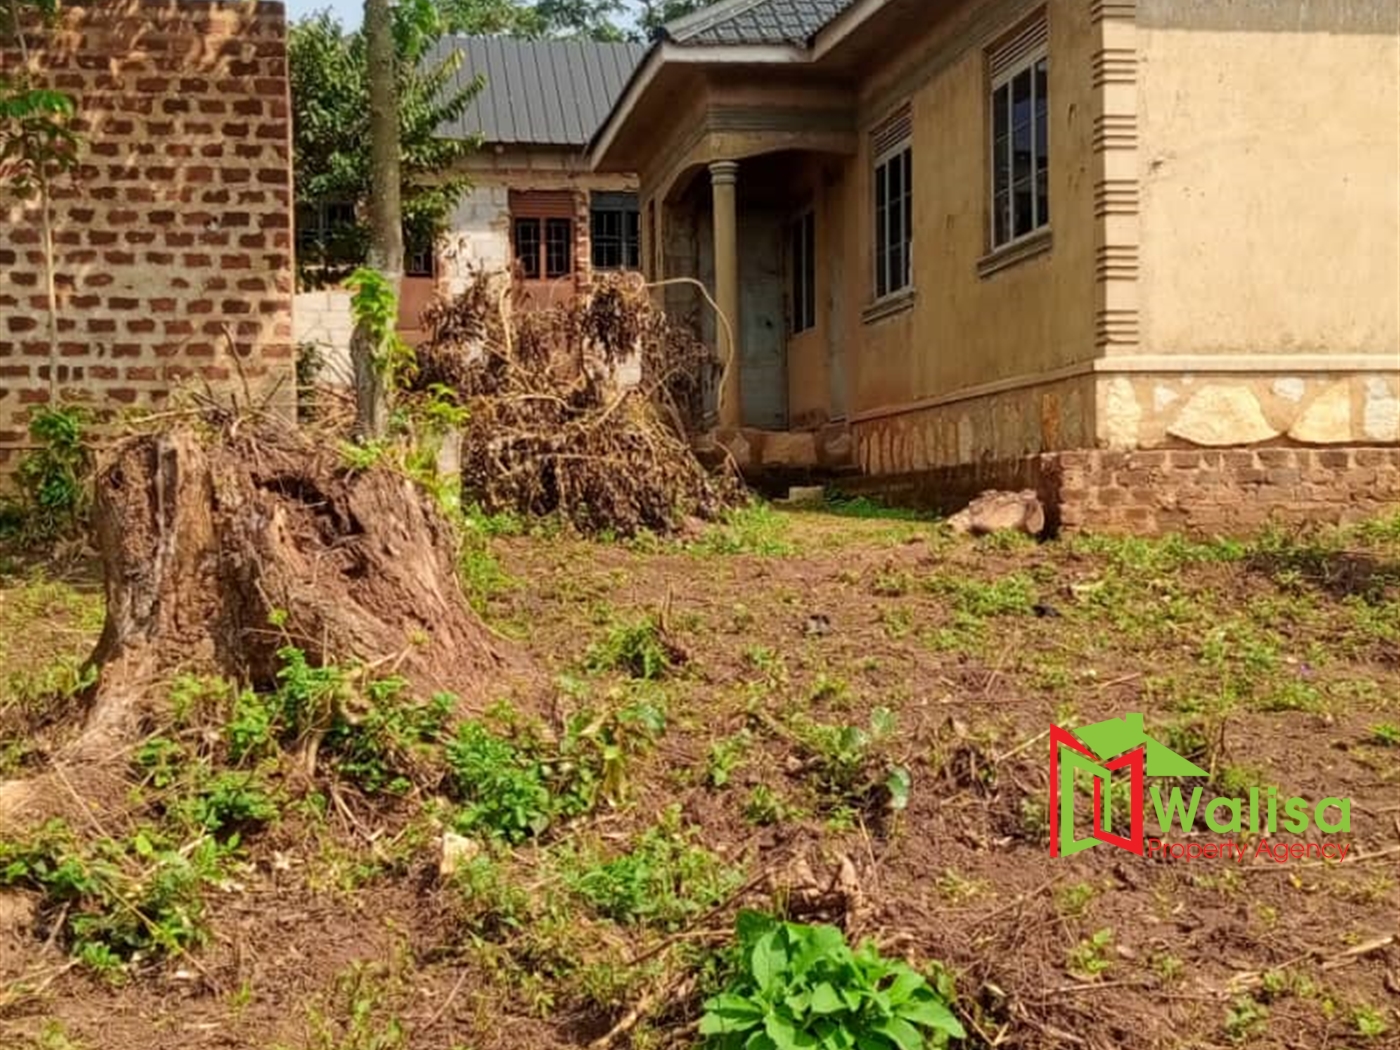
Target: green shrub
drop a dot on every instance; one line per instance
(505, 789)
(53, 478)
(803, 986)
(639, 650)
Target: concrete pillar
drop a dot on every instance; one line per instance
(723, 179)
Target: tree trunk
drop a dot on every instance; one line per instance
(219, 551)
(386, 212)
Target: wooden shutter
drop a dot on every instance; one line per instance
(542, 204)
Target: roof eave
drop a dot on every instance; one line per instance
(665, 52)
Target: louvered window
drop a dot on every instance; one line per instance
(1020, 119)
(892, 146)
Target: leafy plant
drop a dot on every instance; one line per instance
(53, 477)
(1089, 958)
(641, 650)
(505, 789)
(662, 881)
(803, 986)
(847, 761)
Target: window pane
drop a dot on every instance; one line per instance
(1042, 193)
(527, 247)
(1021, 98)
(1001, 217)
(559, 247)
(882, 228)
(1022, 204)
(908, 218)
(632, 239)
(1001, 116)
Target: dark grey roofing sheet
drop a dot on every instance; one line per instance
(756, 22)
(541, 92)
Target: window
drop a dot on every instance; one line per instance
(894, 200)
(802, 261)
(615, 228)
(327, 235)
(419, 258)
(542, 233)
(1020, 136)
(544, 248)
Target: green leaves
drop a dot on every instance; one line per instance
(37, 142)
(803, 988)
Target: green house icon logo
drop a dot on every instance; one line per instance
(1100, 750)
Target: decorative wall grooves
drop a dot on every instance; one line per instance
(1117, 196)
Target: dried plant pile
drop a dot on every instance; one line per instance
(551, 432)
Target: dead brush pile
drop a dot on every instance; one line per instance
(551, 430)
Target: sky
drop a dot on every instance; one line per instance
(348, 11)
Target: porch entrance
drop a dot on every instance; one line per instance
(763, 337)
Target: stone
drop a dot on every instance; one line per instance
(806, 496)
(836, 450)
(1220, 416)
(457, 852)
(1290, 389)
(1381, 417)
(1122, 415)
(1163, 397)
(1327, 421)
(739, 449)
(1001, 512)
(786, 448)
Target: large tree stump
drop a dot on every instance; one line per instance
(219, 550)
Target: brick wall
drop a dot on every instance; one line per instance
(1233, 492)
(174, 238)
(1203, 492)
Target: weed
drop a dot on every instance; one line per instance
(765, 807)
(1073, 901)
(639, 650)
(120, 900)
(1369, 1022)
(1386, 734)
(506, 790)
(481, 573)
(1012, 595)
(359, 1016)
(726, 756)
(1245, 1017)
(1167, 967)
(871, 509)
(1089, 959)
(845, 761)
(956, 888)
(803, 986)
(53, 478)
(753, 529)
(662, 881)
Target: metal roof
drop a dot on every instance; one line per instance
(756, 22)
(538, 92)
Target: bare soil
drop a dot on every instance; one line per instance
(1276, 666)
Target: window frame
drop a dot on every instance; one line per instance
(628, 240)
(802, 272)
(1036, 54)
(902, 152)
(547, 237)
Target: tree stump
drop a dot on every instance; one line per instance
(220, 550)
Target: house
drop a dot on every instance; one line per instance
(534, 207)
(1072, 244)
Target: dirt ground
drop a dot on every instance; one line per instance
(807, 656)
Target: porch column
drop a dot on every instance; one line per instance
(723, 179)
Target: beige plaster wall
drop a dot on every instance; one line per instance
(1270, 177)
(963, 330)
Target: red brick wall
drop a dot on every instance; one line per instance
(173, 240)
(1232, 492)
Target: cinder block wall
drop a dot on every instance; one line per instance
(174, 239)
